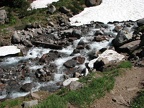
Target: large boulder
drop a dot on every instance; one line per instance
(108, 57)
(122, 37)
(28, 104)
(15, 38)
(68, 81)
(3, 16)
(140, 22)
(90, 3)
(26, 87)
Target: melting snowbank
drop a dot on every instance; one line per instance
(9, 50)
(111, 10)
(41, 3)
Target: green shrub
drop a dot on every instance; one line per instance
(138, 102)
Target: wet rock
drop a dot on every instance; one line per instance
(26, 87)
(70, 63)
(79, 59)
(121, 38)
(90, 3)
(100, 38)
(43, 58)
(68, 81)
(74, 85)
(43, 75)
(80, 47)
(28, 104)
(76, 33)
(140, 22)
(98, 32)
(15, 38)
(3, 16)
(117, 28)
(51, 9)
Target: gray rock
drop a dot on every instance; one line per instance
(51, 9)
(26, 87)
(121, 38)
(64, 10)
(76, 33)
(27, 43)
(15, 38)
(100, 38)
(70, 63)
(3, 16)
(28, 104)
(140, 22)
(74, 85)
(34, 95)
(39, 31)
(90, 3)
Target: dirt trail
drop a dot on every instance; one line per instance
(126, 87)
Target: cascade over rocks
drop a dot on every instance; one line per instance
(54, 57)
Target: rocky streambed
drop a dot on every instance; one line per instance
(51, 58)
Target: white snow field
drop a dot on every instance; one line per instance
(41, 3)
(111, 10)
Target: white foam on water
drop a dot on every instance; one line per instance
(37, 52)
(58, 77)
(18, 94)
(109, 11)
(2, 97)
(27, 80)
(61, 61)
(32, 53)
(41, 3)
(68, 50)
(35, 67)
(99, 45)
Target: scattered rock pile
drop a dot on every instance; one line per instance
(62, 55)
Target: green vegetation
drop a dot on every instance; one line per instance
(10, 103)
(74, 5)
(138, 102)
(125, 64)
(94, 89)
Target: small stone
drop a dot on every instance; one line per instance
(28, 104)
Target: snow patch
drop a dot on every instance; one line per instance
(9, 50)
(41, 3)
(109, 11)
